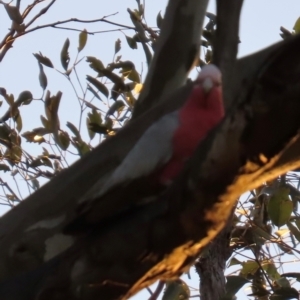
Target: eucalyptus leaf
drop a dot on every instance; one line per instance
(82, 39)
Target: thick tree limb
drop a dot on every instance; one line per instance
(226, 41)
(175, 53)
(210, 267)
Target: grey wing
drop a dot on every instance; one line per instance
(153, 149)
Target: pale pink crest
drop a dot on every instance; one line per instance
(209, 77)
(212, 72)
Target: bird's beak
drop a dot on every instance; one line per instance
(207, 85)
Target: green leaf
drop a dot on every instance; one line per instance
(64, 54)
(89, 104)
(249, 267)
(159, 20)
(4, 168)
(82, 39)
(137, 38)
(131, 42)
(93, 118)
(282, 281)
(2, 91)
(24, 98)
(118, 58)
(285, 249)
(81, 147)
(176, 290)
(45, 122)
(15, 153)
(45, 152)
(261, 232)
(99, 85)
(40, 131)
(130, 100)
(117, 46)
(109, 123)
(285, 33)
(10, 99)
(18, 121)
(280, 207)
(102, 129)
(294, 230)
(271, 270)
(292, 274)
(73, 128)
(51, 110)
(233, 285)
(90, 132)
(130, 86)
(36, 163)
(42, 77)
(47, 162)
(36, 135)
(117, 106)
(64, 140)
(117, 80)
(43, 59)
(126, 65)
(14, 111)
(134, 76)
(147, 53)
(285, 293)
(15, 138)
(33, 137)
(141, 9)
(5, 135)
(35, 183)
(95, 63)
(89, 88)
(297, 26)
(234, 262)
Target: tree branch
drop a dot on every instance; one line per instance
(42, 12)
(176, 51)
(226, 41)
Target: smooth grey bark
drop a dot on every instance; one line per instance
(175, 53)
(211, 266)
(226, 40)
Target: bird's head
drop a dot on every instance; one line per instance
(209, 77)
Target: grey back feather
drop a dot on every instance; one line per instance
(152, 150)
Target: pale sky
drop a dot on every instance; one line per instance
(260, 22)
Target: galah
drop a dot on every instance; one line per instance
(160, 154)
(169, 142)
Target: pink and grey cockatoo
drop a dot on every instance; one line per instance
(167, 144)
(161, 152)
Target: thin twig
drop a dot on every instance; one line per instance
(5, 184)
(91, 32)
(78, 21)
(42, 11)
(30, 7)
(158, 290)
